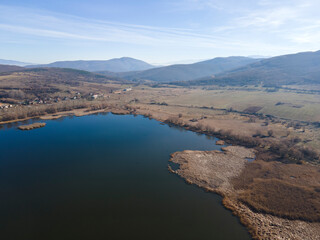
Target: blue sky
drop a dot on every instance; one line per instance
(41, 31)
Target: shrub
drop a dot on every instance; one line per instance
(270, 133)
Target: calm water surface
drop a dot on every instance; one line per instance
(105, 177)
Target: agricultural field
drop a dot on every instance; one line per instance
(283, 103)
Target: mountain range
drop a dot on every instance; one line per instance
(300, 68)
(124, 64)
(185, 72)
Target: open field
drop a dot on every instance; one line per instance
(283, 104)
(310, 87)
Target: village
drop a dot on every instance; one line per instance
(57, 99)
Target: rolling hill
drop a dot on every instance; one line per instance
(300, 68)
(65, 76)
(185, 72)
(9, 68)
(27, 84)
(124, 64)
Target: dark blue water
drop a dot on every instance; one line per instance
(105, 177)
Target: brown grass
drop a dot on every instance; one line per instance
(282, 199)
(285, 190)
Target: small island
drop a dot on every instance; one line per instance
(32, 126)
(220, 142)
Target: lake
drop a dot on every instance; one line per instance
(105, 177)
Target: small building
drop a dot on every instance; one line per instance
(95, 96)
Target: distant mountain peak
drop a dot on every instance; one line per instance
(123, 64)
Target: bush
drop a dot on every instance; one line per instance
(270, 133)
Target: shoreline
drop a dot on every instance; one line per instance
(250, 219)
(214, 171)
